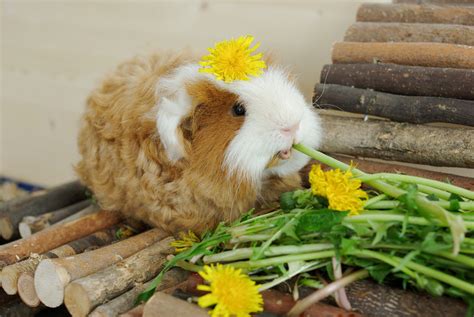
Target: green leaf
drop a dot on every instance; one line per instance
(287, 202)
(322, 220)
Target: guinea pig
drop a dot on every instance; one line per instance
(166, 144)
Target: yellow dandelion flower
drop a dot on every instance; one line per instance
(340, 188)
(185, 242)
(232, 292)
(232, 60)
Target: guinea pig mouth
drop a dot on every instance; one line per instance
(281, 155)
(285, 154)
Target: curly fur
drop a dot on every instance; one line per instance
(134, 163)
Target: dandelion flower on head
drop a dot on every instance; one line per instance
(340, 188)
(185, 242)
(232, 60)
(232, 292)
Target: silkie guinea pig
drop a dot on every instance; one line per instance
(179, 149)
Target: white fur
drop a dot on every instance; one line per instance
(272, 103)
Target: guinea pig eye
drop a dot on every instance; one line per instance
(238, 109)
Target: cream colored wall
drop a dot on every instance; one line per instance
(54, 52)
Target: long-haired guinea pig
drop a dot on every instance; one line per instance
(178, 149)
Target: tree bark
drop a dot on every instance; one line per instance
(164, 305)
(414, 54)
(11, 273)
(412, 109)
(410, 32)
(403, 80)
(33, 224)
(126, 301)
(412, 13)
(398, 141)
(134, 312)
(56, 235)
(370, 166)
(52, 275)
(82, 295)
(13, 211)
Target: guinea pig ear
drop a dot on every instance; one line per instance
(174, 104)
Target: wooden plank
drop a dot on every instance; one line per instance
(415, 54)
(403, 80)
(413, 13)
(437, 146)
(412, 109)
(410, 32)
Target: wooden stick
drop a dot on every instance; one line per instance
(52, 275)
(410, 32)
(412, 13)
(412, 109)
(56, 235)
(403, 80)
(126, 301)
(164, 305)
(10, 274)
(82, 295)
(13, 211)
(415, 54)
(370, 166)
(399, 141)
(32, 224)
(450, 2)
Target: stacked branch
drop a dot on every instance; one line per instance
(399, 141)
(10, 274)
(412, 13)
(82, 295)
(32, 224)
(56, 236)
(441, 2)
(412, 109)
(414, 54)
(403, 80)
(162, 304)
(13, 211)
(53, 275)
(410, 32)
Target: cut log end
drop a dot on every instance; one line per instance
(6, 228)
(26, 290)
(9, 280)
(80, 305)
(24, 229)
(50, 281)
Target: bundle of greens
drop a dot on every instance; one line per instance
(416, 231)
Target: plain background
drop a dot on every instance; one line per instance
(54, 52)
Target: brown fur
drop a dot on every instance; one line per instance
(125, 165)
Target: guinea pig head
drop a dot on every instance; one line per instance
(243, 130)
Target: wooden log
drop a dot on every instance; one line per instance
(32, 224)
(52, 275)
(412, 13)
(403, 80)
(373, 300)
(56, 235)
(82, 295)
(28, 293)
(10, 274)
(441, 2)
(414, 54)
(126, 301)
(410, 32)
(402, 142)
(134, 312)
(412, 109)
(370, 166)
(13, 211)
(164, 305)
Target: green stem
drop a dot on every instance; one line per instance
(390, 204)
(283, 259)
(419, 180)
(188, 266)
(246, 253)
(374, 200)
